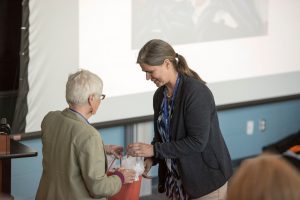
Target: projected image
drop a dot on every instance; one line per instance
(192, 21)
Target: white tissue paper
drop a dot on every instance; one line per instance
(136, 163)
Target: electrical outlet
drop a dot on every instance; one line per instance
(250, 127)
(262, 125)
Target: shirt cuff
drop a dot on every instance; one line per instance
(120, 175)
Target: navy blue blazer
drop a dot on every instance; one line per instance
(197, 144)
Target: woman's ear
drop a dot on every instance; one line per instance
(168, 63)
(90, 99)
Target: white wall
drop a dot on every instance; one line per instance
(54, 43)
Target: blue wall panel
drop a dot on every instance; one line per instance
(282, 119)
(26, 173)
(113, 135)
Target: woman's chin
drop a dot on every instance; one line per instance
(158, 84)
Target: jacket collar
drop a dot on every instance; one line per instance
(74, 115)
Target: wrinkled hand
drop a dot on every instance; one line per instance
(140, 150)
(148, 164)
(114, 150)
(129, 174)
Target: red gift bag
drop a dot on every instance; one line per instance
(129, 191)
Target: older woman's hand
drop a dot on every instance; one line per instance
(140, 150)
(129, 174)
(114, 150)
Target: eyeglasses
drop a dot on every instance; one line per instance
(102, 96)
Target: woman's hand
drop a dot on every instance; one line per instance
(140, 150)
(148, 164)
(114, 150)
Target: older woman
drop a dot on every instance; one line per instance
(74, 156)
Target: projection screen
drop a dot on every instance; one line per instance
(244, 50)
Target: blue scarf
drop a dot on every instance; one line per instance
(173, 183)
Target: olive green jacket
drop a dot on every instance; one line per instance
(74, 160)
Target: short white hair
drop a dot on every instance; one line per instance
(81, 85)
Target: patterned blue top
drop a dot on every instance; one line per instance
(173, 185)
